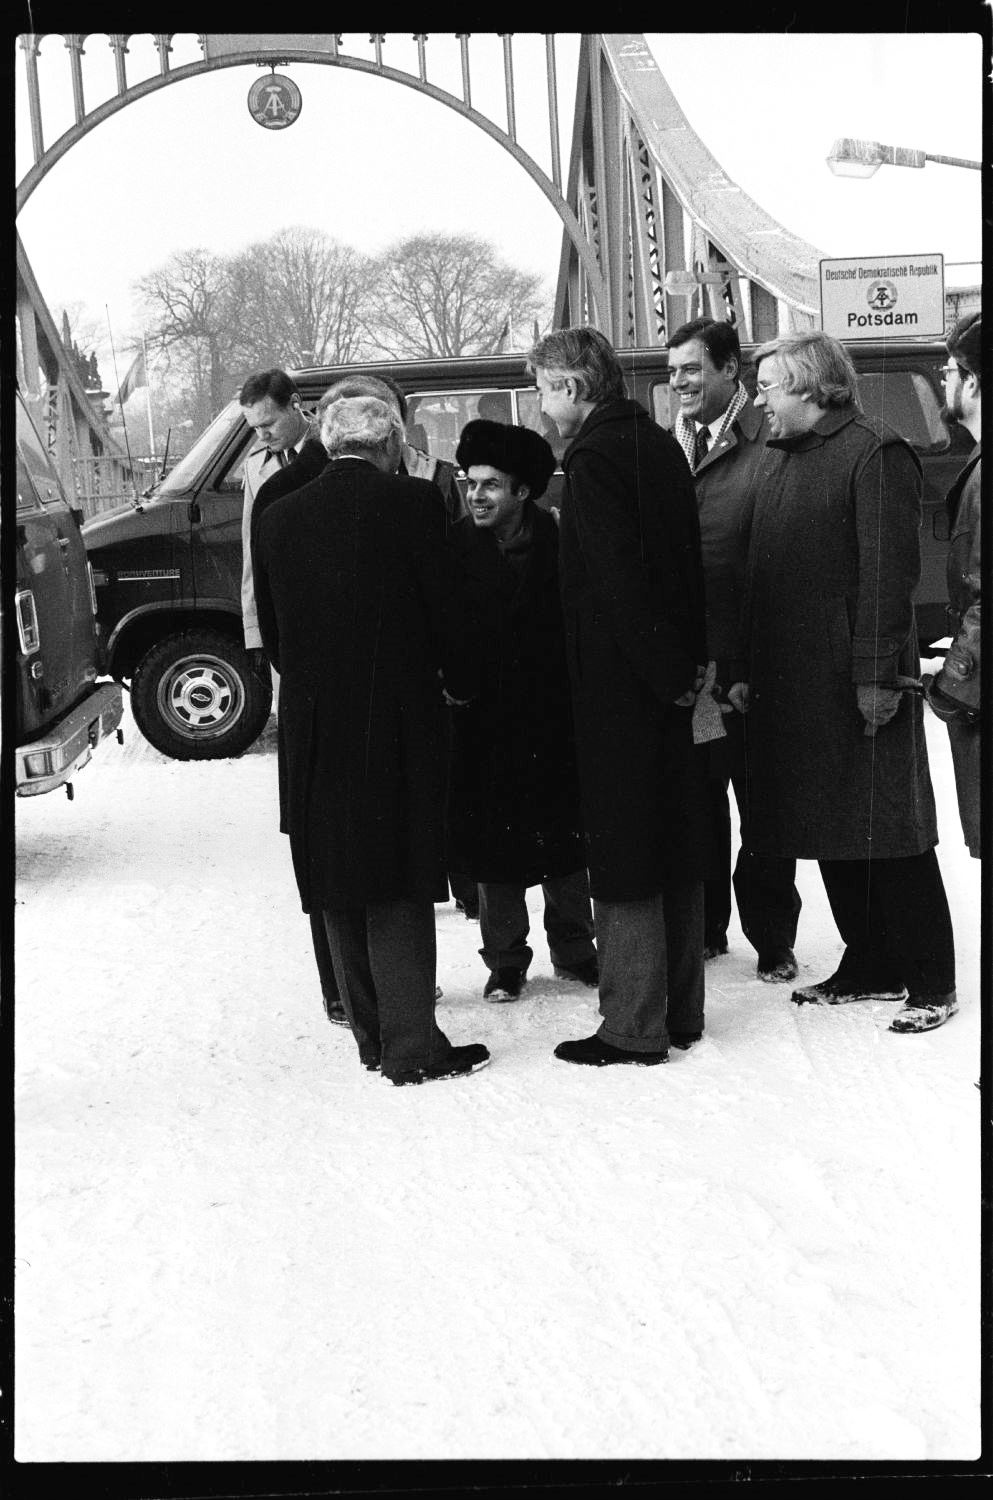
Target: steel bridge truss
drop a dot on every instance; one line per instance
(654, 232)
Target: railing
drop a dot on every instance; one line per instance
(102, 484)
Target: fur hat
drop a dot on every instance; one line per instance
(512, 450)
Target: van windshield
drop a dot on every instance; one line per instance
(207, 445)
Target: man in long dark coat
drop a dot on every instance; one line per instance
(306, 464)
(632, 596)
(353, 597)
(838, 768)
(514, 818)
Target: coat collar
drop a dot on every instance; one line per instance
(830, 421)
(621, 410)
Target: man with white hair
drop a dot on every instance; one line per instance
(355, 612)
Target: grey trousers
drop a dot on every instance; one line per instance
(504, 922)
(384, 957)
(651, 966)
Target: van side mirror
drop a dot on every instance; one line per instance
(77, 514)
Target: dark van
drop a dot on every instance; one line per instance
(168, 569)
(62, 712)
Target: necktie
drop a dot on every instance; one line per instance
(282, 458)
(701, 446)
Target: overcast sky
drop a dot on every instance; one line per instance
(370, 160)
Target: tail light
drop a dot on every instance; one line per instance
(27, 622)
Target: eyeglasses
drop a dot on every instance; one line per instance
(946, 370)
(764, 388)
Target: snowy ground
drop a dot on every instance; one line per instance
(234, 1243)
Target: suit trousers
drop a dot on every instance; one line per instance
(893, 917)
(384, 957)
(651, 966)
(504, 923)
(764, 884)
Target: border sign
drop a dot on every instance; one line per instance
(274, 101)
(884, 296)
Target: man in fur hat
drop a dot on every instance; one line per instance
(514, 818)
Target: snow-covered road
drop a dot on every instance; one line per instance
(234, 1243)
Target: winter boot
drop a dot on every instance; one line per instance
(505, 984)
(924, 1012)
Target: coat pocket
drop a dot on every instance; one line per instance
(839, 634)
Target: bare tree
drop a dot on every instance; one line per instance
(449, 294)
(194, 317)
(303, 296)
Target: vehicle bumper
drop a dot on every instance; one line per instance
(58, 755)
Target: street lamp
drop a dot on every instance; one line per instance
(853, 158)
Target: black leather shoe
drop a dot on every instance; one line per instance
(587, 971)
(505, 984)
(336, 1013)
(777, 965)
(596, 1053)
(469, 909)
(716, 948)
(459, 1062)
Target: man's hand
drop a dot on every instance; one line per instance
(260, 662)
(877, 704)
(687, 699)
(739, 696)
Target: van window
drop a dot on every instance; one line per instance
(436, 419)
(27, 499)
(662, 407)
(529, 415)
(188, 469)
(38, 464)
(906, 400)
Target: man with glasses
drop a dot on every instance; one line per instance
(954, 692)
(723, 436)
(838, 768)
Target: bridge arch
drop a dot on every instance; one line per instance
(643, 197)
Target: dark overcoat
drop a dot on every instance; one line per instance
(514, 792)
(833, 564)
(354, 592)
(726, 482)
(633, 607)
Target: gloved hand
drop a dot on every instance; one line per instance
(946, 707)
(877, 704)
(739, 695)
(260, 662)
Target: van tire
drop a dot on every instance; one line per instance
(196, 696)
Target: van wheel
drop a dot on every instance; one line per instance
(195, 696)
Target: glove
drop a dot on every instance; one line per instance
(945, 707)
(876, 703)
(260, 662)
(739, 696)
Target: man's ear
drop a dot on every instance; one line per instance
(572, 387)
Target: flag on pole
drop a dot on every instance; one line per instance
(136, 377)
